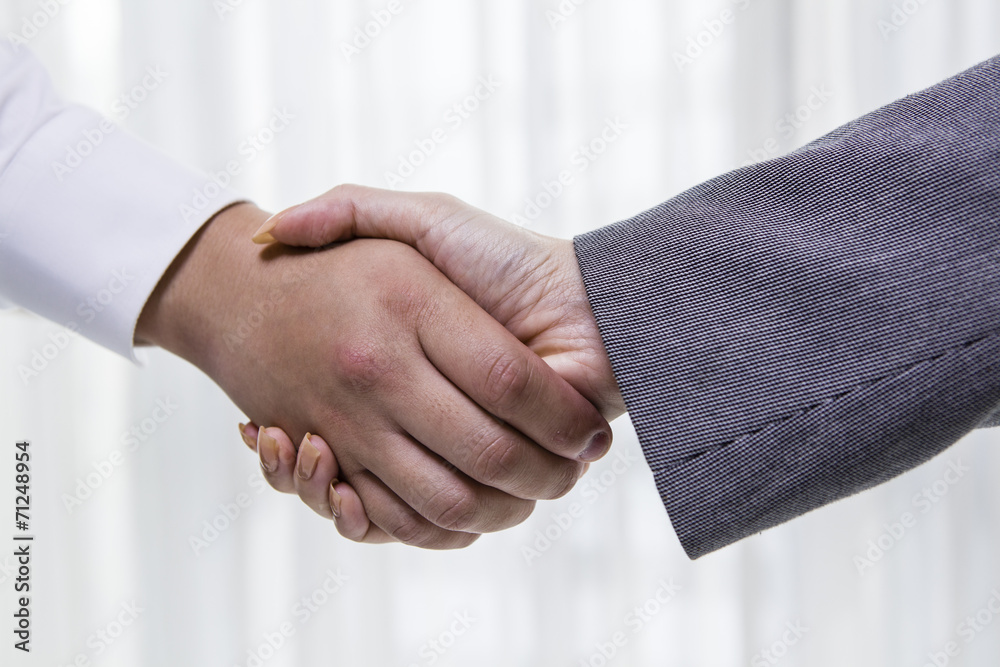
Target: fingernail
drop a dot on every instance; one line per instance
(334, 499)
(597, 448)
(263, 235)
(251, 443)
(268, 448)
(308, 459)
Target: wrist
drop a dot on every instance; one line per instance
(598, 383)
(198, 297)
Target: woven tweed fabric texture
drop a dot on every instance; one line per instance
(799, 330)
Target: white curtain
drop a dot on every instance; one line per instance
(607, 586)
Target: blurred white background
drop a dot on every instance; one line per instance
(564, 70)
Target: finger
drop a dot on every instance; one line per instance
(426, 221)
(488, 451)
(351, 211)
(510, 381)
(504, 377)
(436, 490)
(398, 520)
(248, 432)
(316, 471)
(355, 211)
(316, 483)
(277, 459)
(353, 522)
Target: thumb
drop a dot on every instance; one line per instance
(312, 224)
(353, 211)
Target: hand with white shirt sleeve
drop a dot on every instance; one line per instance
(442, 421)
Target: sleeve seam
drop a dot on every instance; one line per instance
(820, 403)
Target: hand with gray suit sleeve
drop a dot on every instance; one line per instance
(784, 335)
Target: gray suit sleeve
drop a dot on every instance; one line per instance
(800, 330)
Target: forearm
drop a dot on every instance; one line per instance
(799, 330)
(199, 298)
(86, 236)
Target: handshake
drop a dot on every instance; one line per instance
(441, 368)
(788, 334)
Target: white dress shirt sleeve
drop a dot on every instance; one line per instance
(90, 217)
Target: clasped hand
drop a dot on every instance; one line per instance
(440, 379)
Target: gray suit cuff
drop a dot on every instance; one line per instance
(799, 330)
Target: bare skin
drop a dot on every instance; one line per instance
(442, 423)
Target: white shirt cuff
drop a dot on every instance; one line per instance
(90, 217)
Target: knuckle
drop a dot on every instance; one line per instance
(441, 201)
(498, 461)
(346, 191)
(410, 530)
(342, 189)
(361, 367)
(452, 509)
(570, 474)
(507, 382)
(408, 301)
